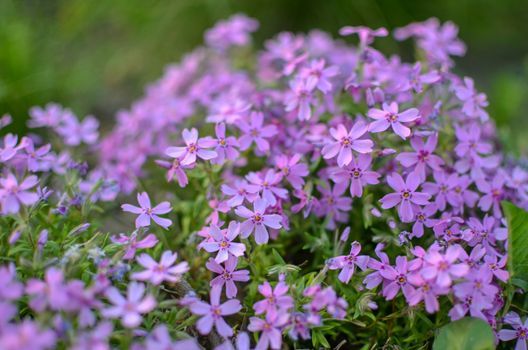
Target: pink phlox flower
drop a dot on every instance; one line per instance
(257, 221)
(317, 76)
(390, 116)
(358, 173)
(345, 142)
(348, 263)
(223, 242)
(158, 272)
(132, 243)
(227, 275)
(146, 212)
(240, 191)
(267, 185)
(255, 131)
(226, 147)
(275, 299)
(292, 170)
(212, 313)
(423, 156)
(129, 308)
(195, 148)
(13, 194)
(405, 194)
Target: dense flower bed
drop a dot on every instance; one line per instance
(313, 190)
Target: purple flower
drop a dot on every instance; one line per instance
(240, 191)
(49, 117)
(267, 185)
(275, 299)
(232, 32)
(474, 103)
(225, 146)
(37, 159)
(404, 195)
(157, 273)
(227, 275)
(254, 131)
(212, 313)
(10, 289)
(422, 217)
(132, 244)
(348, 263)
(160, 338)
(519, 331)
(195, 148)
(97, 338)
(358, 173)
(257, 221)
(292, 170)
(12, 195)
(10, 148)
(176, 170)
(416, 79)
(300, 98)
(317, 76)
(228, 109)
(493, 193)
(74, 132)
(442, 267)
(396, 279)
(48, 293)
(497, 267)
(422, 157)
(426, 291)
(390, 117)
(26, 335)
(365, 34)
(346, 142)
(146, 212)
(333, 204)
(270, 327)
(478, 288)
(223, 242)
(129, 309)
(470, 143)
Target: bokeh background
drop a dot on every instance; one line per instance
(97, 56)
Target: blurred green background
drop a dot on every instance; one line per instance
(97, 56)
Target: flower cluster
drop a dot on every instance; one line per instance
(272, 157)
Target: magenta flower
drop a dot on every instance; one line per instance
(132, 244)
(240, 191)
(317, 76)
(271, 328)
(48, 293)
(470, 143)
(519, 331)
(348, 263)
(333, 204)
(422, 157)
(365, 34)
(390, 117)
(300, 98)
(12, 195)
(474, 102)
(426, 291)
(232, 32)
(358, 173)
(442, 267)
(292, 170)
(275, 299)
(223, 242)
(129, 309)
(268, 186)
(74, 132)
(405, 194)
(146, 212)
(176, 170)
(228, 109)
(212, 313)
(396, 278)
(158, 272)
(254, 131)
(493, 193)
(27, 336)
(346, 142)
(195, 148)
(227, 275)
(50, 116)
(225, 147)
(477, 292)
(257, 221)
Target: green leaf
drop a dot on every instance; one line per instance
(517, 244)
(466, 334)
